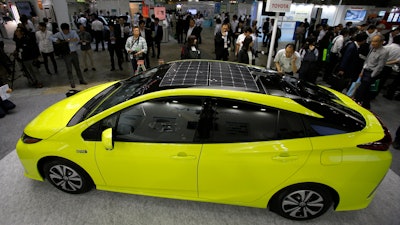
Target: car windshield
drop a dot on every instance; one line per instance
(120, 92)
(131, 88)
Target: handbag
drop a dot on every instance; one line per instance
(375, 86)
(61, 48)
(353, 88)
(338, 82)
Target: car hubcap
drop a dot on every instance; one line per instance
(303, 203)
(65, 177)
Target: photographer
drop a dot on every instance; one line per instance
(136, 47)
(27, 53)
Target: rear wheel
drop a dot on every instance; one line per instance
(301, 202)
(67, 176)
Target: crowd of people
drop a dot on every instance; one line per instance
(340, 54)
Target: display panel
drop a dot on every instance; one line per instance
(355, 15)
(24, 8)
(395, 17)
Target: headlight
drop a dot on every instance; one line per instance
(29, 140)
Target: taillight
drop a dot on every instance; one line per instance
(29, 140)
(381, 145)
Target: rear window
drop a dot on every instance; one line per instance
(337, 119)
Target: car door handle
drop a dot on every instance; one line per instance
(285, 157)
(182, 155)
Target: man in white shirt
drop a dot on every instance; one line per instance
(239, 41)
(43, 38)
(199, 24)
(390, 35)
(334, 55)
(287, 60)
(98, 29)
(371, 32)
(49, 26)
(82, 20)
(393, 61)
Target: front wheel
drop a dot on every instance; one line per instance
(301, 202)
(67, 176)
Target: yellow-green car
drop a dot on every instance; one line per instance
(216, 132)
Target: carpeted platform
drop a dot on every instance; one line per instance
(24, 201)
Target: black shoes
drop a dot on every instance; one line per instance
(112, 69)
(85, 70)
(72, 85)
(94, 69)
(83, 82)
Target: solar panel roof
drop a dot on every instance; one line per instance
(203, 73)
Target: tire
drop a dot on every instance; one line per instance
(67, 176)
(301, 202)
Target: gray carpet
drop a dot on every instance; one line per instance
(25, 201)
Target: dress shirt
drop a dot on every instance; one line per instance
(394, 52)
(285, 62)
(376, 60)
(137, 45)
(189, 32)
(44, 41)
(73, 45)
(97, 25)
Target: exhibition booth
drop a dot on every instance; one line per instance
(330, 14)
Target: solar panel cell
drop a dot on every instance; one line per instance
(203, 73)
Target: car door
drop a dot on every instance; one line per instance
(153, 148)
(251, 149)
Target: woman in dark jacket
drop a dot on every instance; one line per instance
(245, 54)
(189, 50)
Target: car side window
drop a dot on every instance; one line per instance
(167, 120)
(237, 121)
(290, 125)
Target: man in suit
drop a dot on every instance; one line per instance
(113, 36)
(193, 30)
(351, 64)
(222, 42)
(158, 35)
(146, 33)
(124, 31)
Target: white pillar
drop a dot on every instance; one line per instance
(272, 41)
(61, 10)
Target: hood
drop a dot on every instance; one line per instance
(57, 116)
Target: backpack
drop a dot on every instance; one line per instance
(187, 53)
(310, 55)
(343, 50)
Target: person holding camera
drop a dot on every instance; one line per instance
(71, 58)
(27, 53)
(136, 47)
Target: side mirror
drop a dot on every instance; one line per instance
(106, 139)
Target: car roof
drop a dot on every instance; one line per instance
(209, 73)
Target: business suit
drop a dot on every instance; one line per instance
(123, 30)
(113, 38)
(350, 63)
(158, 35)
(222, 43)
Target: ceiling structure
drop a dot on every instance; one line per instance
(377, 3)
